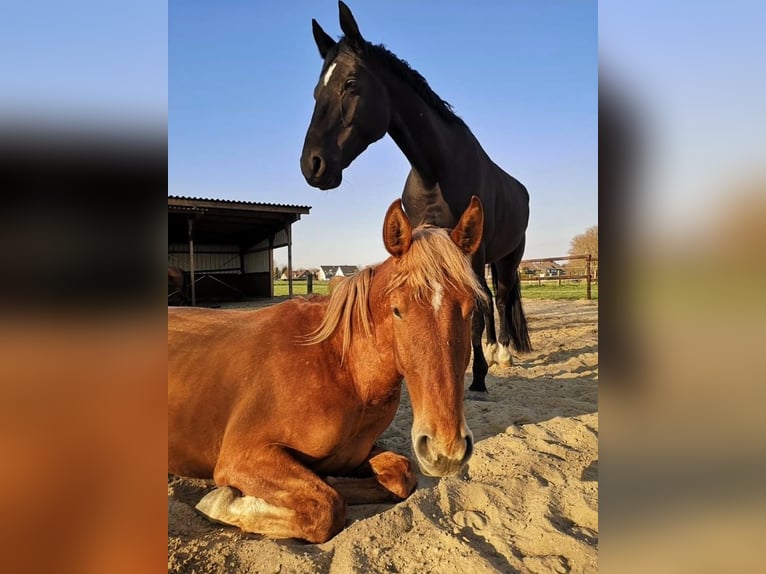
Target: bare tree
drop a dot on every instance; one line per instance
(585, 243)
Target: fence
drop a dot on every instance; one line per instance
(534, 270)
(530, 271)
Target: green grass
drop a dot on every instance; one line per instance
(299, 288)
(529, 290)
(552, 290)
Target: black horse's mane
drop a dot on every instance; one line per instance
(379, 54)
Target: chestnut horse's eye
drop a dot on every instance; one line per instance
(397, 314)
(350, 84)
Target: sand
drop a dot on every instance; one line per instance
(526, 502)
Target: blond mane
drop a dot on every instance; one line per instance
(433, 259)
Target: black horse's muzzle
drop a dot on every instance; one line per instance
(319, 171)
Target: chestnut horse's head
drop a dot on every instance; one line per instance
(352, 106)
(431, 297)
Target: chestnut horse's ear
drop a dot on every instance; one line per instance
(323, 40)
(348, 24)
(397, 231)
(468, 231)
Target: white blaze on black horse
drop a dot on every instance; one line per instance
(365, 91)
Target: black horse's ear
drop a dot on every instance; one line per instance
(348, 24)
(323, 40)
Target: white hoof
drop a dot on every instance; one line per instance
(504, 356)
(216, 505)
(490, 351)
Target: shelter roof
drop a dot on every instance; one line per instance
(229, 222)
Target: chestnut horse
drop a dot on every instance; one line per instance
(176, 286)
(364, 91)
(282, 406)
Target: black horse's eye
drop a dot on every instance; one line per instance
(350, 84)
(397, 314)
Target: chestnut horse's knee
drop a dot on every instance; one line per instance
(395, 473)
(290, 501)
(321, 518)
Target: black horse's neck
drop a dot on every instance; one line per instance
(423, 134)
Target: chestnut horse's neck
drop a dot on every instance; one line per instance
(372, 361)
(362, 335)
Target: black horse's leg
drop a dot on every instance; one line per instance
(513, 323)
(505, 280)
(489, 342)
(483, 317)
(478, 389)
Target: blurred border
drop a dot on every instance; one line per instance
(82, 351)
(83, 169)
(682, 200)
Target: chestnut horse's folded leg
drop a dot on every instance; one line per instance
(392, 479)
(279, 498)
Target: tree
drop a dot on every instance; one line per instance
(585, 243)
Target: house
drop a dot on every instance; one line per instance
(534, 269)
(555, 272)
(327, 272)
(298, 275)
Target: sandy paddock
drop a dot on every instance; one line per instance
(527, 501)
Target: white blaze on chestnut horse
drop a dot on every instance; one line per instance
(282, 406)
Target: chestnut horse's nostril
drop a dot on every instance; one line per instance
(434, 460)
(317, 165)
(421, 447)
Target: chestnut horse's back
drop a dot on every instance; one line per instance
(210, 352)
(232, 371)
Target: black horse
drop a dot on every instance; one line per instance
(364, 92)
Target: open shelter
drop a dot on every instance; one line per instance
(225, 247)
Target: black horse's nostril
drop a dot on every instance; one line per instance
(317, 166)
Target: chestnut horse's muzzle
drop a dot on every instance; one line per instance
(436, 459)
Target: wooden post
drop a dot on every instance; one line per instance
(290, 260)
(271, 266)
(191, 263)
(587, 272)
(309, 284)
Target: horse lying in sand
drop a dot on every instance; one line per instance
(282, 406)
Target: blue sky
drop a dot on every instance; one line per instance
(85, 62)
(523, 75)
(236, 80)
(692, 72)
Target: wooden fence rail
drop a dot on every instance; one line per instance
(590, 274)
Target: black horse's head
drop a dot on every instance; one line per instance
(352, 106)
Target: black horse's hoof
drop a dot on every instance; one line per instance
(477, 395)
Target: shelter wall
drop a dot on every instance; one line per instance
(218, 272)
